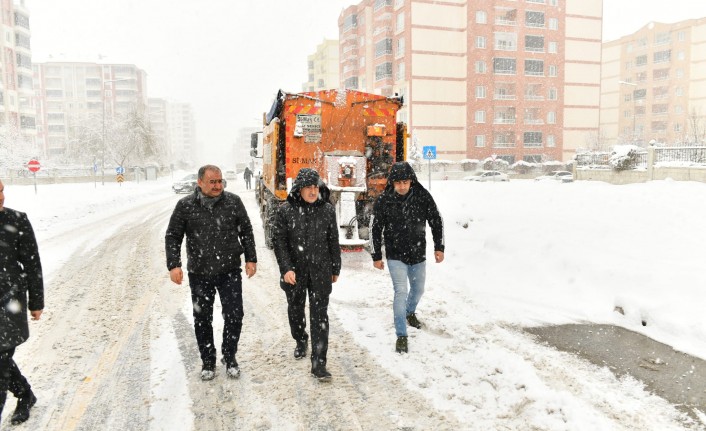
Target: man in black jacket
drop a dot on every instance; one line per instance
(20, 275)
(400, 215)
(218, 231)
(309, 258)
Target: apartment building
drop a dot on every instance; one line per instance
(17, 110)
(157, 114)
(323, 67)
(514, 79)
(76, 99)
(181, 129)
(654, 85)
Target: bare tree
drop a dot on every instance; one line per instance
(131, 139)
(697, 130)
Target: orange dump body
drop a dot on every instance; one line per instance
(308, 130)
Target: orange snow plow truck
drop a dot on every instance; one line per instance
(351, 138)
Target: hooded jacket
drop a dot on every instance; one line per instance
(401, 220)
(20, 277)
(305, 235)
(215, 236)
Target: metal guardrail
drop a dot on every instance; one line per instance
(674, 155)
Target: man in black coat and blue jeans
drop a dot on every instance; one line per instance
(218, 231)
(21, 288)
(400, 215)
(309, 257)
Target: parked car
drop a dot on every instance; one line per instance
(185, 185)
(561, 176)
(488, 176)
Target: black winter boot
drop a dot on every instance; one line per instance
(300, 350)
(401, 345)
(321, 374)
(24, 403)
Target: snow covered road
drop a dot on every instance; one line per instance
(115, 348)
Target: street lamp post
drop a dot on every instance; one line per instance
(104, 131)
(634, 132)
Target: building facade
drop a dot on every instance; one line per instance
(514, 79)
(181, 130)
(17, 104)
(323, 67)
(75, 100)
(654, 85)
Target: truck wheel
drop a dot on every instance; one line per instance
(268, 223)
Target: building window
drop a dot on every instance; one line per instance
(553, 47)
(480, 42)
(662, 38)
(361, 62)
(351, 83)
(504, 139)
(480, 92)
(660, 74)
(553, 24)
(480, 141)
(551, 142)
(679, 73)
(399, 23)
(553, 70)
(481, 17)
(532, 139)
(400, 47)
(384, 47)
(383, 71)
(480, 66)
(662, 56)
(679, 91)
(534, 19)
(504, 66)
(678, 109)
(505, 16)
(534, 43)
(677, 127)
(349, 22)
(480, 116)
(379, 4)
(553, 2)
(681, 55)
(551, 117)
(681, 36)
(400, 71)
(534, 67)
(553, 94)
(639, 94)
(505, 41)
(641, 60)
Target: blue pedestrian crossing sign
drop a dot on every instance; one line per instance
(429, 152)
(119, 170)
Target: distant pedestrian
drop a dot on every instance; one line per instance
(218, 231)
(21, 289)
(400, 215)
(309, 257)
(247, 176)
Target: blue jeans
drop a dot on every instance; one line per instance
(406, 302)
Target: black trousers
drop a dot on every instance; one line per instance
(203, 293)
(318, 316)
(10, 376)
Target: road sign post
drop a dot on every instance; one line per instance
(33, 166)
(429, 153)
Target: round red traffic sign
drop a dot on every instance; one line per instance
(33, 165)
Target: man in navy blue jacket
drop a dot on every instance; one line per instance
(400, 215)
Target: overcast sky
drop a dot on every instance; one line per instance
(228, 58)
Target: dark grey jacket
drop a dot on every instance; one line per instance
(20, 275)
(215, 237)
(305, 238)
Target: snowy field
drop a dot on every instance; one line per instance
(522, 253)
